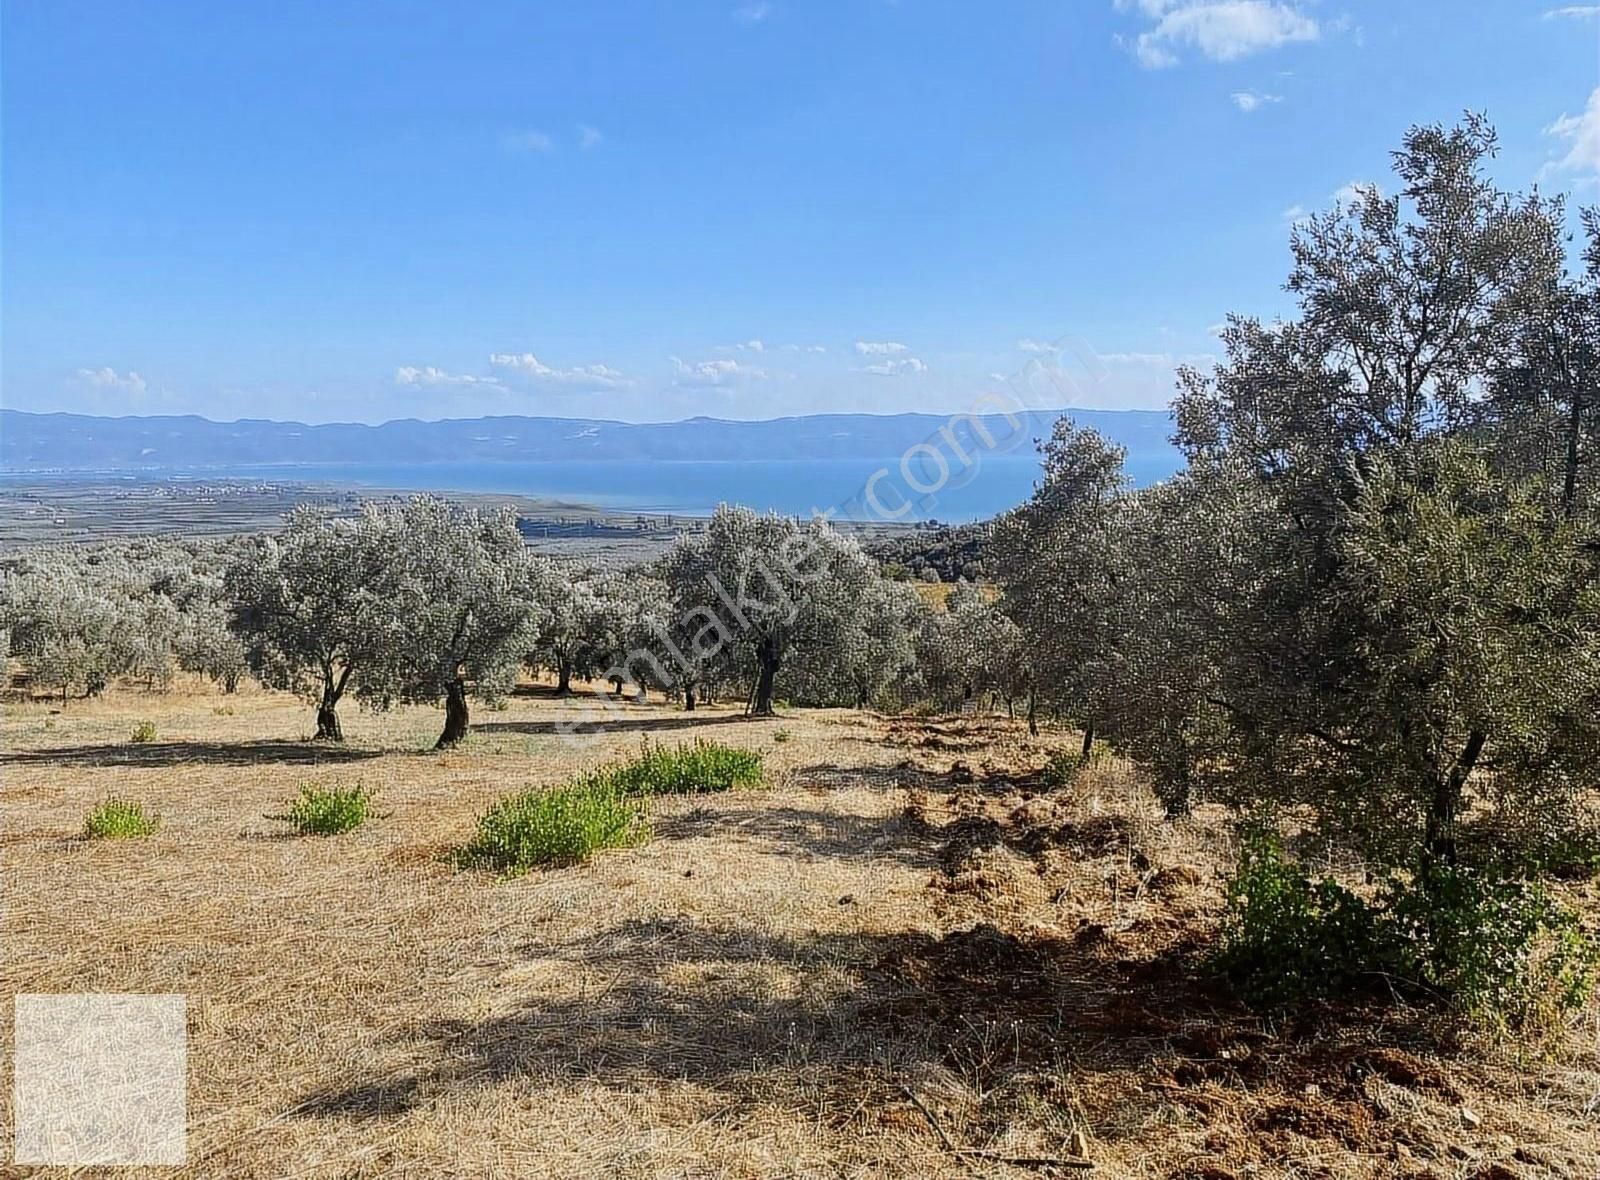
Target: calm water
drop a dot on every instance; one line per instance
(797, 487)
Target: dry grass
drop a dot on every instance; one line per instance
(937, 594)
(742, 996)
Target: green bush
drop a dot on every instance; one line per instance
(781, 736)
(327, 811)
(1286, 938)
(118, 819)
(696, 769)
(1571, 854)
(1064, 766)
(143, 733)
(1499, 949)
(1061, 769)
(547, 829)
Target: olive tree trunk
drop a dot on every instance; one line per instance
(1444, 808)
(328, 727)
(455, 714)
(767, 656)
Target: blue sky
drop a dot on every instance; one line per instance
(648, 211)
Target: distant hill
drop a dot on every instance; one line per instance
(79, 442)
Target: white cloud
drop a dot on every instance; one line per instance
(722, 371)
(1575, 11)
(804, 348)
(1036, 347)
(1582, 134)
(527, 367)
(589, 137)
(430, 375)
(1295, 213)
(1156, 360)
(108, 378)
(529, 141)
(880, 347)
(1136, 358)
(1250, 100)
(753, 13)
(1354, 192)
(895, 367)
(1222, 30)
(746, 346)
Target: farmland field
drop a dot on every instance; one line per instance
(906, 926)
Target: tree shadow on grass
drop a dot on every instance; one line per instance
(625, 724)
(160, 754)
(832, 776)
(833, 1024)
(907, 776)
(810, 833)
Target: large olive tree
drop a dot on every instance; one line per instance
(311, 608)
(760, 593)
(1404, 610)
(1061, 558)
(460, 604)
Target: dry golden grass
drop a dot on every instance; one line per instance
(744, 996)
(937, 594)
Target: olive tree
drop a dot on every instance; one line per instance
(1413, 612)
(581, 630)
(969, 647)
(871, 652)
(1542, 414)
(1061, 560)
(207, 644)
(81, 615)
(459, 605)
(311, 608)
(757, 594)
(69, 633)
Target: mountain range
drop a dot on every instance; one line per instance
(38, 443)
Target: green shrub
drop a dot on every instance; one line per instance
(1572, 854)
(143, 733)
(699, 768)
(1064, 766)
(547, 829)
(1501, 948)
(781, 736)
(1497, 948)
(118, 819)
(1286, 938)
(1061, 769)
(327, 811)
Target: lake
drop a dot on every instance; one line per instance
(994, 484)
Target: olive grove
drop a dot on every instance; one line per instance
(413, 601)
(80, 616)
(1373, 593)
(755, 597)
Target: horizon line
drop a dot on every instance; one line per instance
(1164, 411)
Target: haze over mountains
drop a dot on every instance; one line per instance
(40, 443)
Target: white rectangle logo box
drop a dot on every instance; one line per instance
(100, 1079)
